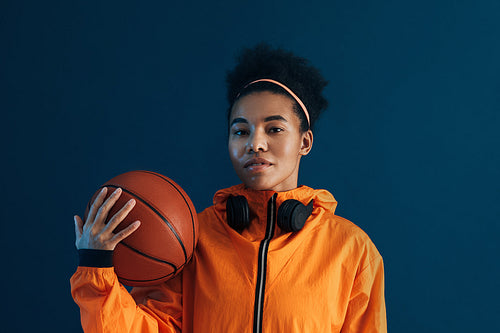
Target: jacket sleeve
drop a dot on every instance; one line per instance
(106, 306)
(366, 309)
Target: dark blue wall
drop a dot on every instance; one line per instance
(409, 145)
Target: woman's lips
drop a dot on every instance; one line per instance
(257, 165)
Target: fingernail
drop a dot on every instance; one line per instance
(131, 201)
(103, 190)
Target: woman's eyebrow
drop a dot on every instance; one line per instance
(267, 119)
(238, 121)
(277, 117)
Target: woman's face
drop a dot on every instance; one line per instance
(265, 143)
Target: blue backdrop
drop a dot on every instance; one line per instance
(408, 146)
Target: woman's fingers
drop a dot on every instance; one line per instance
(94, 233)
(119, 216)
(124, 233)
(78, 226)
(96, 205)
(102, 212)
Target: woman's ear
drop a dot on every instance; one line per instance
(307, 143)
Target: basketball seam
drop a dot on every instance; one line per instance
(157, 212)
(160, 278)
(185, 200)
(150, 257)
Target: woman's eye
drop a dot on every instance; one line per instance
(276, 130)
(240, 132)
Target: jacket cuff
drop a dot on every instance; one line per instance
(95, 258)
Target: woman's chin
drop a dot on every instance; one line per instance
(258, 185)
(268, 186)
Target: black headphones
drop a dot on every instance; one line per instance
(292, 214)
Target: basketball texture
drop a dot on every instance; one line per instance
(167, 237)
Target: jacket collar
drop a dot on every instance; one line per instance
(258, 202)
(322, 198)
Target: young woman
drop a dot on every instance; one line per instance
(271, 256)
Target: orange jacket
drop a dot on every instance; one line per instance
(328, 277)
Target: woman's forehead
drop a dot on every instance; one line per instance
(263, 106)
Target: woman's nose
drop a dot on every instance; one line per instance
(256, 142)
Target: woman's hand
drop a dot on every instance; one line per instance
(97, 235)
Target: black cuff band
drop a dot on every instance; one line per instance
(95, 258)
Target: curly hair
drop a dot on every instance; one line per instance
(264, 62)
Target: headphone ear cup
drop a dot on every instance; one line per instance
(237, 212)
(292, 215)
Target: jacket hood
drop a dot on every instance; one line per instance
(258, 202)
(322, 198)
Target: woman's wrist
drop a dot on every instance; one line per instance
(95, 258)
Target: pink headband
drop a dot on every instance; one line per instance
(288, 90)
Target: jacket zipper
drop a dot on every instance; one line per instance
(262, 266)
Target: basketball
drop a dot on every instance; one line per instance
(167, 237)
